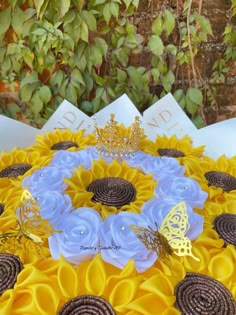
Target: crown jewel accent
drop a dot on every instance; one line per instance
(118, 141)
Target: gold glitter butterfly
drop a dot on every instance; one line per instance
(171, 236)
(31, 231)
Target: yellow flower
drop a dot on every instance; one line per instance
(127, 291)
(15, 166)
(172, 146)
(216, 177)
(35, 292)
(142, 185)
(48, 143)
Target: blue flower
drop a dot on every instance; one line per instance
(78, 240)
(48, 178)
(54, 204)
(119, 244)
(180, 188)
(163, 166)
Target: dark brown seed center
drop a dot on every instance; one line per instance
(15, 170)
(64, 145)
(10, 267)
(225, 226)
(199, 294)
(220, 179)
(87, 305)
(112, 191)
(1, 208)
(170, 153)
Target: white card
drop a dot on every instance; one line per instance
(15, 134)
(67, 116)
(166, 116)
(219, 138)
(124, 110)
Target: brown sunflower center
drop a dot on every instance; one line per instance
(10, 267)
(112, 191)
(1, 208)
(64, 145)
(225, 226)
(200, 294)
(220, 179)
(15, 170)
(87, 305)
(170, 153)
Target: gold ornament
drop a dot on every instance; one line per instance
(117, 141)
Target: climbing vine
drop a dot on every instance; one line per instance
(83, 51)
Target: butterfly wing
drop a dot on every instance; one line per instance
(31, 230)
(31, 222)
(174, 227)
(152, 240)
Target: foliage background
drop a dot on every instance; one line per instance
(91, 52)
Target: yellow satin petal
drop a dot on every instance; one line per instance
(127, 272)
(123, 293)
(161, 286)
(6, 301)
(48, 266)
(95, 280)
(114, 169)
(97, 169)
(24, 303)
(67, 279)
(29, 276)
(222, 267)
(209, 238)
(45, 298)
(171, 311)
(149, 304)
(7, 221)
(197, 266)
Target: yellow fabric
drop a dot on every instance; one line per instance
(44, 285)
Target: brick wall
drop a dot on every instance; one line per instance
(218, 12)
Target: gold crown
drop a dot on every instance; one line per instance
(118, 141)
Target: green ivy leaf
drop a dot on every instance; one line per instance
(97, 2)
(45, 94)
(107, 12)
(157, 25)
(156, 75)
(30, 78)
(5, 21)
(89, 19)
(195, 96)
(204, 23)
(19, 17)
(38, 5)
(84, 31)
(71, 94)
(12, 110)
(180, 97)
(26, 92)
(77, 78)
(198, 121)
(36, 104)
(115, 9)
(121, 75)
(57, 78)
(168, 80)
(168, 22)
(155, 45)
(87, 107)
(28, 57)
(191, 107)
(63, 7)
(102, 45)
